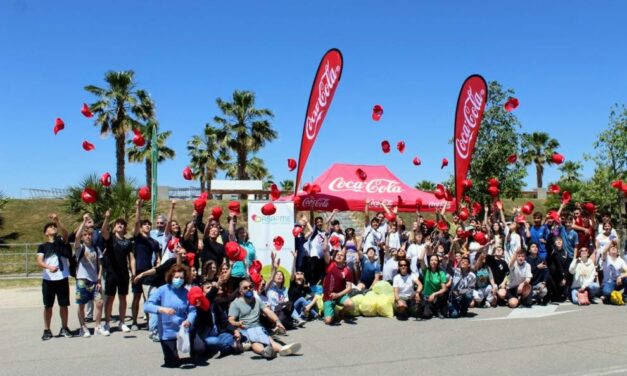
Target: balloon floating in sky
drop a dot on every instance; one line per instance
(88, 146)
(86, 111)
(511, 104)
(377, 112)
(59, 125)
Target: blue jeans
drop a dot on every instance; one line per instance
(222, 342)
(593, 291)
(459, 304)
(609, 286)
(299, 307)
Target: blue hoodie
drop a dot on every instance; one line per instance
(169, 297)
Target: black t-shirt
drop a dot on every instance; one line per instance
(158, 279)
(297, 291)
(499, 268)
(117, 256)
(212, 250)
(145, 248)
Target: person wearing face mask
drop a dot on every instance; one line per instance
(244, 315)
(614, 270)
(170, 302)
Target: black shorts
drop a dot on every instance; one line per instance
(114, 283)
(59, 289)
(136, 288)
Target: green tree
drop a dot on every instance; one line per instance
(611, 165)
(146, 112)
(114, 111)
(5, 238)
(120, 197)
(207, 156)
(287, 185)
(538, 148)
(425, 185)
(244, 130)
(255, 170)
(571, 171)
(498, 138)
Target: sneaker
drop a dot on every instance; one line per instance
(84, 332)
(154, 336)
(124, 328)
(299, 322)
(268, 352)
(103, 330)
(47, 335)
(246, 346)
(289, 349)
(65, 332)
(134, 327)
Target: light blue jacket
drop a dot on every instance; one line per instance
(169, 297)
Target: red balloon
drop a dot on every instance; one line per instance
(494, 182)
(268, 209)
(554, 188)
(463, 214)
(234, 208)
(391, 217)
(589, 207)
(417, 161)
(297, 201)
(385, 146)
(377, 112)
(361, 174)
(187, 173)
(430, 223)
(466, 184)
(511, 104)
(89, 195)
(476, 209)
(144, 193)
(278, 242)
(88, 146)
(138, 139)
(439, 192)
(291, 164)
(444, 163)
(315, 189)
(58, 126)
(512, 159)
(566, 197)
(86, 111)
(557, 158)
(493, 191)
(618, 184)
(527, 208)
(297, 230)
(480, 238)
(105, 179)
(400, 146)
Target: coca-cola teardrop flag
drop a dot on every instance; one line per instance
(470, 105)
(322, 91)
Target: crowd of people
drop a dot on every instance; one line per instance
(203, 286)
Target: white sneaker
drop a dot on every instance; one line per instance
(124, 328)
(103, 330)
(289, 349)
(84, 332)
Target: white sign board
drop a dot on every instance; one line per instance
(262, 229)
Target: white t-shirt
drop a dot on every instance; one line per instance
(390, 269)
(613, 268)
(405, 284)
(512, 246)
(51, 258)
(316, 246)
(372, 238)
(600, 230)
(518, 274)
(394, 240)
(413, 251)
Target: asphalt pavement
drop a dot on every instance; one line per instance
(553, 340)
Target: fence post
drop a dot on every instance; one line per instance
(26, 259)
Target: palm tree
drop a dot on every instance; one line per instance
(425, 185)
(245, 129)
(287, 185)
(146, 112)
(255, 170)
(571, 171)
(113, 111)
(537, 148)
(207, 156)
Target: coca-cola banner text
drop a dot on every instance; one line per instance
(470, 106)
(322, 91)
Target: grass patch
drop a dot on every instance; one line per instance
(19, 283)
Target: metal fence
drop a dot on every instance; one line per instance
(19, 260)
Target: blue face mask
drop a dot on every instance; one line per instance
(177, 283)
(249, 294)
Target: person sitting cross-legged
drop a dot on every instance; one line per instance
(584, 280)
(407, 289)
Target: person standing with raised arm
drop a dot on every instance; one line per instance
(119, 256)
(53, 257)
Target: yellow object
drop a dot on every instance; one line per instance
(383, 288)
(385, 306)
(356, 301)
(616, 298)
(368, 305)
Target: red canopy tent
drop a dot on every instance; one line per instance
(342, 189)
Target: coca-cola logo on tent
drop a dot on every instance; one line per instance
(373, 186)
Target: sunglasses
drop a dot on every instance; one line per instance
(247, 287)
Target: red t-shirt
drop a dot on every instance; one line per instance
(584, 236)
(335, 280)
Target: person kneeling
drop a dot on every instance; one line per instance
(336, 286)
(244, 314)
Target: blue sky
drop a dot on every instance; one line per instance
(565, 60)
